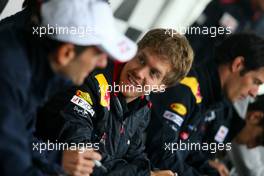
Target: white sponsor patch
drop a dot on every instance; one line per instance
(80, 111)
(173, 117)
(83, 104)
(221, 134)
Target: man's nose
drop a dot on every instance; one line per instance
(141, 72)
(102, 61)
(254, 92)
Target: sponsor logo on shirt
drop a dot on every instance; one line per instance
(179, 108)
(84, 95)
(83, 104)
(105, 94)
(194, 85)
(221, 134)
(173, 117)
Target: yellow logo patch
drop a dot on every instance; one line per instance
(179, 108)
(85, 96)
(105, 94)
(194, 85)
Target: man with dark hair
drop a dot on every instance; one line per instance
(247, 45)
(252, 134)
(246, 155)
(116, 118)
(37, 60)
(179, 113)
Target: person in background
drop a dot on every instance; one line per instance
(247, 153)
(179, 113)
(233, 16)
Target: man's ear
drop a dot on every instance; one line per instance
(255, 117)
(65, 54)
(237, 64)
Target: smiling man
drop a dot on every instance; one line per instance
(116, 120)
(181, 113)
(144, 81)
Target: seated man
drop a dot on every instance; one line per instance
(110, 111)
(246, 153)
(33, 66)
(252, 134)
(179, 113)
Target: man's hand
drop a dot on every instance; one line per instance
(79, 163)
(163, 173)
(220, 167)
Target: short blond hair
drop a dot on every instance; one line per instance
(172, 46)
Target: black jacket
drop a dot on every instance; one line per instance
(90, 114)
(26, 82)
(177, 116)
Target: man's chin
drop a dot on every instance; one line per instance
(78, 81)
(235, 99)
(241, 98)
